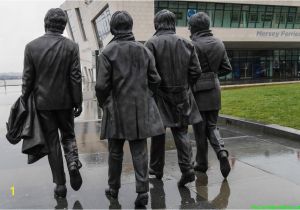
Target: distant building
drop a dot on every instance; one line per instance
(262, 36)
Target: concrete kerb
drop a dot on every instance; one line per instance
(226, 87)
(260, 128)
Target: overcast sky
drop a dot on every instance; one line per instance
(20, 21)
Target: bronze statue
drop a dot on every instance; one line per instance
(207, 92)
(179, 68)
(126, 81)
(52, 74)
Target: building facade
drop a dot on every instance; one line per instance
(262, 37)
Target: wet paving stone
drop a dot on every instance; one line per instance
(265, 171)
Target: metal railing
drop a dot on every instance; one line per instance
(10, 83)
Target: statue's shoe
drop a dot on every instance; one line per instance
(141, 200)
(111, 193)
(75, 177)
(224, 164)
(60, 191)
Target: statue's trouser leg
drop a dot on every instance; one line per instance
(201, 143)
(157, 153)
(139, 153)
(213, 133)
(65, 120)
(115, 159)
(184, 148)
(50, 128)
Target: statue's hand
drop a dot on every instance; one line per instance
(77, 111)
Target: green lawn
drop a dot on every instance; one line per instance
(278, 104)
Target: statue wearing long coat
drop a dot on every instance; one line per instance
(213, 58)
(175, 100)
(124, 90)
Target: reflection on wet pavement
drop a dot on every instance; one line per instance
(265, 171)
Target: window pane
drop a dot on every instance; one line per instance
(182, 5)
(261, 8)
(235, 15)
(260, 22)
(275, 21)
(283, 17)
(218, 18)
(235, 19)
(220, 6)
(244, 19)
(173, 4)
(201, 7)
(181, 17)
(290, 20)
(253, 18)
(210, 6)
(211, 13)
(227, 19)
(253, 8)
(228, 6)
(163, 4)
(192, 6)
(297, 21)
(267, 18)
(102, 24)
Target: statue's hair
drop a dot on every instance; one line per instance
(164, 20)
(121, 22)
(55, 20)
(199, 22)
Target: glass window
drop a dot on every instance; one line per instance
(282, 21)
(102, 24)
(163, 4)
(228, 6)
(236, 15)
(192, 6)
(270, 8)
(260, 20)
(293, 9)
(245, 7)
(219, 6)
(276, 20)
(297, 21)
(253, 8)
(182, 5)
(244, 19)
(181, 17)
(253, 18)
(261, 8)
(173, 4)
(210, 6)
(290, 19)
(277, 9)
(227, 19)
(218, 18)
(235, 19)
(267, 18)
(201, 7)
(211, 14)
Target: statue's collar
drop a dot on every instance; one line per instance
(52, 33)
(163, 32)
